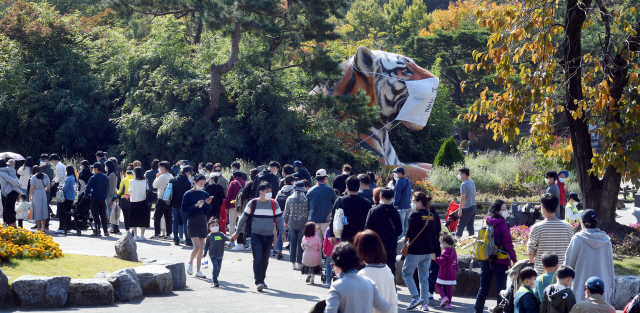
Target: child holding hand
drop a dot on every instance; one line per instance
(214, 244)
(22, 211)
(311, 258)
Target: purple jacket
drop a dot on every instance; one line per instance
(448, 262)
(502, 237)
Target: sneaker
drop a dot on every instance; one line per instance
(189, 244)
(448, 306)
(231, 244)
(106, 234)
(294, 266)
(155, 237)
(274, 253)
(279, 256)
(265, 286)
(237, 248)
(308, 278)
(425, 308)
(260, 287)
(416, 302)
(190, 269)
(299, 266)
(430, 296)
(200, 275)
(142, 238)
(176, 242)
(325, 285)
(215, 284)
(136, 238)
(59, 231)
(444, 302)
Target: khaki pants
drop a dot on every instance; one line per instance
(233, 215)
(322, 227)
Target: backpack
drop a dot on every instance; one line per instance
(168, 193)
(484, 247)
(282, 197)
(254, 202)
(239, 203)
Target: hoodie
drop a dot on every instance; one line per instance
(301, 174)
(448, 262)
(502, 239)
(269, 177)
(180, 185)
(557, 299)
(384, 219)
(590, 253)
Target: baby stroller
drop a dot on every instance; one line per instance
(81, 220)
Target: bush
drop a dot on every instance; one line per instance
(20, 243)
(448, 155)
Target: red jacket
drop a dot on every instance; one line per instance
(234, 187)
(563, 193)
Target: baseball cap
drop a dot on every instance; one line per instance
(321, 173)
(574, 196)
(589, 216)
(595, 283)
(297, 164)
(186, 169)
(399, 169)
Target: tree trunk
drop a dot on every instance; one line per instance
(217, 71)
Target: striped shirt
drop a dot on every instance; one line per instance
(262, 222)
(549, 235)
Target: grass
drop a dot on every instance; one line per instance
(72, 265)
(623, 265)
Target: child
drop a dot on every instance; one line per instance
(22, 211)
(311, 258)
(550, 265)
(448, 262)
(525, 300)
(214, 244)
(327, 249)
(559, 298)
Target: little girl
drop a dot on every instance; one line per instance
(448, 262)
(327, 249)
(311, 258)
(22, 211)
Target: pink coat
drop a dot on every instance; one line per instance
(312, 247)
(448, 262)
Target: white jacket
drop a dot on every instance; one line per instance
(61, 174)
(138, 190)
(25, 176)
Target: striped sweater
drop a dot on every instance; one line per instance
(549, 235)
(263, 216)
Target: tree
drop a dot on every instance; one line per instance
(282, 26)
(542, 55)
(449, 154)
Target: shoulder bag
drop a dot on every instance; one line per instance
(405, 249)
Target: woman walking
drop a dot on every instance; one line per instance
(139, 212)
(196, 204)
(25, 174)
(372, 253)
(69, 190)
(40, 185)
(296, 215)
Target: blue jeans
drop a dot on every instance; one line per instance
(260, 248)
(179, 225)
(422, 262)
(404, 218)
(489, 271)
(328, 270)
(216, 264)
(279, 242)
(295, 245)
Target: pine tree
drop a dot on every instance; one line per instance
(449, 154)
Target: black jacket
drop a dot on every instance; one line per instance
(384, 219)
(429, 240)
(217, 192)
(244, 175)
(269, 177)
(356, 209)
(181, 185)
(340, 182)
(301, 174)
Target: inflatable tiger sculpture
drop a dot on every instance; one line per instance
(372, 71)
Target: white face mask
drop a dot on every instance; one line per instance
(546, 180)
(215, 229)
(199, 188)
(42, 163)
(562, 179)
(216, 173)
(395, 176)
(201, 171)
(459, 177)
(268, 195)
(413, 206)
(505, 214)
(442, 246)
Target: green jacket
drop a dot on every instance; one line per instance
(525, 301)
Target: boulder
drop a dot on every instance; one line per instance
(126, 248)
(126, 285)
(90, 292)
(469, 283)
(102, 275)
(6, 299)
(41, 292)
(626, 288)
(178, 273)
(467, 261)
(155, 280)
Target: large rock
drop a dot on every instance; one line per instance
(90, 292)
(41, 292)
(126, 285)
(469, 284)
(178, 273)
(467, 261)
(155, 280)
(626, 288)
(6, 299)
(102, 275)
(126, 248)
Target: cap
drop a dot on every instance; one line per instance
(321, 173)
(595, 283)
(186, 169)
(589, 216)
(299, 186)
(297, 164)
(574, 196)
(566, 173)
(399, 169)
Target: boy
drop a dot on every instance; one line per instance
(550, 265)
(559, 298)
(525, 301)
(214, 244)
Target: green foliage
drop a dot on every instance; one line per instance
(448, 155)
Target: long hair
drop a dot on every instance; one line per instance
(28, 162)
(138, 173)
(37, 171)
(71, 171)
(111, 167)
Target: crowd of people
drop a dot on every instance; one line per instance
(347, 234)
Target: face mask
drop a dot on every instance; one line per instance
(201, 171)
(562, 179)
(42, 162)
(395, 176)
(413, 206)
(215, 229)
(546, 180)
(216, 173)
(459, 177)
(267, 195)
(442, 246)
(505, 214)
(191, 180)
(199, 188)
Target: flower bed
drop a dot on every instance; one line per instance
(20, 243)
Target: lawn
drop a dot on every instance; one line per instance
(623, 265)
(72, 265)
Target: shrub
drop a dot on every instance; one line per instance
(20, 243)
(448, 155)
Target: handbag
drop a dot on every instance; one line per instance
(60, 196)
(405, 249)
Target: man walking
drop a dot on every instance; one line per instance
(236, 185)
(98, 190)
(268, 176)
(468, 207)
(235, 167)
(340, 181)
(384, 219)
(263, 214)
(402, 197)
(355, 209)
(320, 200)
(180, 185)
(163, 209)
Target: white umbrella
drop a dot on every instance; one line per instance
(15, 156)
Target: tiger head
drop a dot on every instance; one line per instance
(361, 72)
